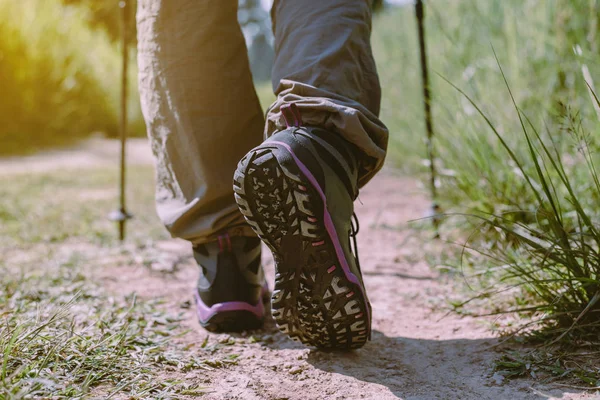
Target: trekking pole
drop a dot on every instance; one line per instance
(435, 208)
(121, 215)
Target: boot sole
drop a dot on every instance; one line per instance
(232, 321)
(232, 316)
(316, 300)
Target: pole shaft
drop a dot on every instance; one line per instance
(123, 123)
(427, 106)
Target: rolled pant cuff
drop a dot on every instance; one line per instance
(337, 114)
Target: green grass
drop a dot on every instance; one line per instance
(549, 265)
(60, 79)
(538, 59)
(555, 257)
(62, 334)
(517, 168)
(55, 207)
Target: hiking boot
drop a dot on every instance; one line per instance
(296, 190)
(231, 287)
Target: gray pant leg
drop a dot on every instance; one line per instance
(201, 111)
(324, 64)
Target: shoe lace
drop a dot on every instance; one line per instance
(355, 228)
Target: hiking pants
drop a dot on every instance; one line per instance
(202, 112)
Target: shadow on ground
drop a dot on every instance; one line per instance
(411, 369)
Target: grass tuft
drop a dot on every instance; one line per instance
(59, 77)
(61, 336)
(550, 261)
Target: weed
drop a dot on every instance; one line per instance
(552, 257)
(59, 77)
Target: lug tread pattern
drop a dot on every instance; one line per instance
(313, 302)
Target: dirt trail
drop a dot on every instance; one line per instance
(90, 153)
(416, 352)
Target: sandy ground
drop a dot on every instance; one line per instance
(417, 351)
(90, 153)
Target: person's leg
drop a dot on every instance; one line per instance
(297, 188)
(201, 110)
(202, 115)
(324, 64)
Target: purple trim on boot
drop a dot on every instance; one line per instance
(329, 226)
(205, 312)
